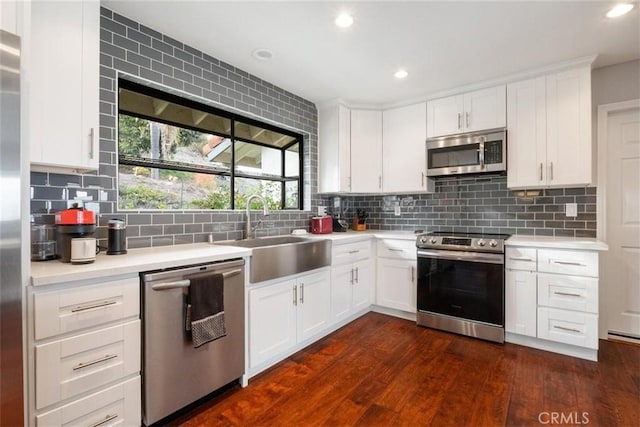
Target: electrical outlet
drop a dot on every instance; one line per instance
(322, 210)
(396, 210)
(571, 210)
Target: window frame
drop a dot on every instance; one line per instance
(233, 117)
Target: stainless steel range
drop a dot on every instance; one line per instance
(461, 283)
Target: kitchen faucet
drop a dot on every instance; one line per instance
(265, 212)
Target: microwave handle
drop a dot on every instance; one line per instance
(481, 154)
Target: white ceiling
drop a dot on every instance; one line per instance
(442, 44)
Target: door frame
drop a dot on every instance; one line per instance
(604, 111)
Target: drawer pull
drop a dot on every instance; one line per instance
(567, 329)
(90, 306)
(105, 420)
(93, 362)
(567, 294)
(579, 264)
(395, 250)
(355, 251)
(514, 258)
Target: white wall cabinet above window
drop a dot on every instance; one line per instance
(63, 93)
(468, 112)
(549, 130)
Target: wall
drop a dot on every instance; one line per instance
(483, 204)
(150, 57)
(615, 83)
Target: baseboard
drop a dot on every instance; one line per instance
(623, 338)
(393, 312)
(555, 347)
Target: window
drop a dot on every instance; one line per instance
(175, 153)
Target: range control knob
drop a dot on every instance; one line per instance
(493, 243)
(481, 242)
(423, 240)
(433, 241)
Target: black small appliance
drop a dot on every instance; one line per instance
(117, 237)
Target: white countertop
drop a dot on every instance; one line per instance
(135, 261)
(359, 235)
(580, 243)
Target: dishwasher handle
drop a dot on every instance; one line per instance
(178, 284)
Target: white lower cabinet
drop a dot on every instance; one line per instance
(85, 350)
(552, 298)
(350, 289)
(115, 405)
(396, 274)
(287, 312)
(520, 302)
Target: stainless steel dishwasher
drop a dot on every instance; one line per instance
(175, 373)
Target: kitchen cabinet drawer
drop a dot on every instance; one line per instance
(568, 292)
(521, 258)
(71, 366)
(397, 249)
(350, 252)
(70, 310)
(116, 405)
(569, 327)
(576, 263)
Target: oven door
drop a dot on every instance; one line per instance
(467, 285)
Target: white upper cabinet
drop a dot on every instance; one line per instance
(366, 151)
(404, 131)
(63, 78)
(549, 130)
(334, 163)
(9, 16)
(468, 112)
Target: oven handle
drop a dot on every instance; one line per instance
(463, 256)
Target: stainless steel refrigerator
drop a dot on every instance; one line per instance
(11, 385)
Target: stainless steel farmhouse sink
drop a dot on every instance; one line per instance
(280, 256)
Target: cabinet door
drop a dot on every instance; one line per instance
(404, 131)
(444, 116)
(272, 321)
(569, 128)
(520, 302)
(569, 327)
(8, 16)
(362, 284)
(485, 109)
(527, 134)
(64, 84)
(342, 278)
(366, 151)
(334, 148)
(396, 287)
(314, 304)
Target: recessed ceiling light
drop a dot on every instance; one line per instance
(344, 20)
(262, 54)
(619, 10)
(401, 74)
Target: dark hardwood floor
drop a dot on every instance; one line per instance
(384, 371)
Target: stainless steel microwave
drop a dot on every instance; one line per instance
(476, 152)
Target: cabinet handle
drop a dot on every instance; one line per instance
(459, 117)
(422, 185)
(567, 294)
(83, 365)
(91, 143)
(562, 328)
(90, 306)
(295, 295)
(540, 171)
(357, 276)
(551, 171)
(104, 420)
(301, 293)
(349, 183)
(352, 276)
(395, 250)
(467, 118)
(379, 181)
(413, 275)
(520, 259)
(578, 264)
(354, 252)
